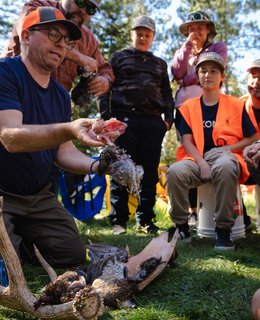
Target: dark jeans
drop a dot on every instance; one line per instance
(142, 141)
(41, 220)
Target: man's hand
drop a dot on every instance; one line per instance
(83, 132)
(90, 64)
(108, 131)
(82, 60)
(95, 132)
(205, 170)
(98, 86)
(252, 154)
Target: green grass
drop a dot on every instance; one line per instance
(203, 284)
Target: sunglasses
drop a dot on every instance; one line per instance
(55, 36)
(90, 9)
(197, 16)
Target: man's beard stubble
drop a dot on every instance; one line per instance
(255, 94)
(75, 17)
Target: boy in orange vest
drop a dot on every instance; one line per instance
(215, 128)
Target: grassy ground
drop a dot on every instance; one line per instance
(204, 284)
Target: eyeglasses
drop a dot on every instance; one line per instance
(55, 36)
(90, 10)
(198, 16)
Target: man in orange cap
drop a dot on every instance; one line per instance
(36, 134)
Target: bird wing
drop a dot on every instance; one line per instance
(98, 251)
(160, 248)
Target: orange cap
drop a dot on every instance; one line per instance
(44, 15)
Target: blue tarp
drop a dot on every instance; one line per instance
(82, 196)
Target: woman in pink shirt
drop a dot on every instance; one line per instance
(200, 31)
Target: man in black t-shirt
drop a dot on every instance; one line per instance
(36, 133)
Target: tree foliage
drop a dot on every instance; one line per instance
(9, 11)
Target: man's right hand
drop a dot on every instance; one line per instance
(205, 170)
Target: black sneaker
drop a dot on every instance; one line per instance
(223, 241)
(184, 232)
(148, 228)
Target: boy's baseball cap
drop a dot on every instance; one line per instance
(44, 15)
(211, 57)
(254, 64)
(144, 21)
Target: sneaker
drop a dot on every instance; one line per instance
(223, 241)
(117, 229)
(147, 228)
(193, 219)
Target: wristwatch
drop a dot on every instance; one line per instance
(110, 83)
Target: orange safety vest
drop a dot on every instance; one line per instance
(250, 111)
(227, 130)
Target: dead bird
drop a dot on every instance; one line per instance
(108, 276)
(116, 292)
(99, 254)
(111, 279)
(100, 251)
(146, 268)
(63, 289)
(121, 168)
(107, 268)
(79, 94)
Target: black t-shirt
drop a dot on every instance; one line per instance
(257, 116)
(209, 114)
(26, 173)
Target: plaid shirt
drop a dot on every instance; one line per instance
(67, 71)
